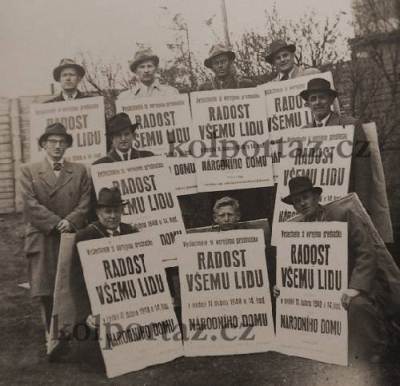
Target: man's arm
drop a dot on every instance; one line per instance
(36, 213)
(78, 217)
(362, 251)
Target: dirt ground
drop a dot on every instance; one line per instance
(23, 360)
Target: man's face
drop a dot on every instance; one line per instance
(146, 72)
(284, 61)
(320, 104)
(69, 79)
(109, 216)
(123, 140)
(226, 217)
(55, 146)
(306, 203)
(221, 65)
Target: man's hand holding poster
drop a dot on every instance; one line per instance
(128, 289)
(84, 120)
(226, 304)
(311, 277)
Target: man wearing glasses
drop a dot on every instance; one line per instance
(56, 198)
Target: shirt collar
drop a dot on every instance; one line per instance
(51, 162)
(111, 233)
(67, 97)
(324, 120)
(281, 74)
(121, 155)
(141, 86)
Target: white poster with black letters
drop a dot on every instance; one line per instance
(226, 303)
(311, 277)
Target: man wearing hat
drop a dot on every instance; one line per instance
(370, 188)
(282, 57)
(365, 297)
(56, 199)
(121, 132)
(221, 62)
(144, 66)
(68, 74)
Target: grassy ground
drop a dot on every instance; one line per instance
(23, 360)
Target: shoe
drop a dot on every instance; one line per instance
(60, 351)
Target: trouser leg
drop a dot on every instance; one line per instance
(367, 336)
(46, 308)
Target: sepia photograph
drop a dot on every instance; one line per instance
(174, 208)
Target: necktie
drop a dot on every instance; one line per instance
(319, 124)
(285, 76)
(125, 156)
(57, 166)
(116, 233)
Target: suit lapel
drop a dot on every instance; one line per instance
(47, 174)
(333, 120)
(114, 156)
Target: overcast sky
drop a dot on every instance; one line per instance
(36, 34)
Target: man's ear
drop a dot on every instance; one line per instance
(306, 103)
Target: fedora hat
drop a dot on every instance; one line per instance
(275, 47)
(65, 63)
(118, 123)
(141, 56)
(109, 197)
(55, 129)
(318, 85)
(299, 185)
(216, 50)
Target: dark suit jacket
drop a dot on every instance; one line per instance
(60, 98)
(113, 156)
(360, 173)
(96, 230)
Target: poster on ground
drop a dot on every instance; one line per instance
(226, 303)
(311, 277)
(83, 118)
(129, 293)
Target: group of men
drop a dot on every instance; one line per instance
(58, 195)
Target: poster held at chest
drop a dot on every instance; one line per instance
(151, 202)
(322, 155)
(83, 118)
(226, 304)
(311, 276)
(231, 131)
(283, 105)
(128, 289)
(165, 127)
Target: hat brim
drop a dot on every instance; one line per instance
(230, 54)
(270, 57)
(57, 70)
(306, 93)
(289, 199)
(134, 64)
(132, 127)
(44, 137)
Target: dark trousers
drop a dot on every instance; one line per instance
(367, 333)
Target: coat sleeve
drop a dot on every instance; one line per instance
(35, 212)
(79, 216)
(362, 259)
